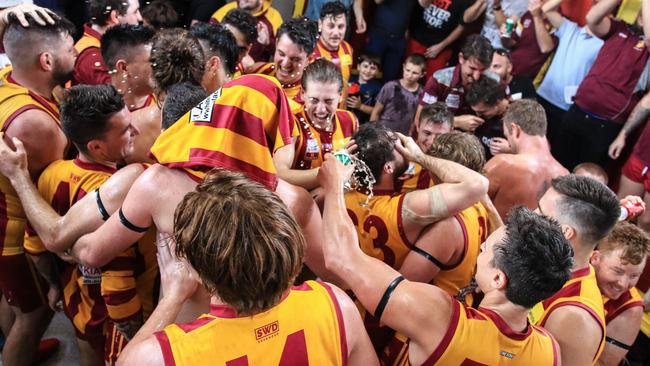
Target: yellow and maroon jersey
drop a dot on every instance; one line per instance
(580, 291)
(267, 14)
(482, 337)
(292, 90)
(455, 280)
(628, 300)
(379, 225)
(148, 102)
(342, 58)
(238, 127)
(305, 328)
(313, 143)
(90, 67)
(14, 100)
(419, 179)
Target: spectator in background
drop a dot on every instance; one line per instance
(436, 25)
(488, 100)
(610, 90)
(576, 52)
(531, 44)
(387, 35)
(201, 10)
(268, 22)
(449, 85)
(434, 121)
(364, 88)
(331, 45)
(314, 9)
(517, 87)
(160, 14)
(398, 99)
(243, 26)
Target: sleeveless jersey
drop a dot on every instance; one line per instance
(419, 179)
(482, 337)
(379, 225)
(305, 328)
(342, 58)
(614, 308)
(645, 320)
(14, 100)
(148, 102)
(580, 291)
(313, 143)
(237, 127)
(292, 90)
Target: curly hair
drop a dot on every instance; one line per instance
(459, 147)
(243, 254)
(632, 239)
(176, 56)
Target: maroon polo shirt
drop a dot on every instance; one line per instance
(608, 89)
(89, 68)
(527, 57)
(446, 86)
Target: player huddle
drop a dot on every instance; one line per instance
(205, 220)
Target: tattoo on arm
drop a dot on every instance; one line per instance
(639, 115)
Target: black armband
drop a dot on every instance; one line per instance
(384, 299)
(618, 344)
(100, 206)
(129, 225)
(431, 258)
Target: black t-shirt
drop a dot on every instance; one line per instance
(521, 87)
(433, 24)
(202, 10)
(491, 128)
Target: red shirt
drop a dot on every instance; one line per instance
(446, 86)
(576, 10)
(89, 68)
(608, 89)
(527, 57)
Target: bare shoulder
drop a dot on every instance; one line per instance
(147, 352)
(576, 326)
(497, 163)
(33, 124)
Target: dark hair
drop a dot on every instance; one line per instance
(459, 147)
(634, 242)
(119, 40)
(587, 205)
(528, 115)
(301, 31)
(437, 113)
(370, 58)
(485, 90)
(85, 111)
(333, 9)
(535, 257)
(100, 10)
(242, 254)
(22, 44)
(502, 52)
(323, 71)
(244, 21)
(160, 14)
(176, 56)
(478, 47)
(375, 147)
(180, 99)
(416, 59)
(218, 41)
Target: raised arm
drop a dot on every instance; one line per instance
(283, 161)
(369, 278)
(544, 39)
(357, 9)
(461, 187)
(474, 11)
(598, 19)
(550, 9)
(41, 15)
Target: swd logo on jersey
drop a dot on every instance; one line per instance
(507, 354)
(267, 331)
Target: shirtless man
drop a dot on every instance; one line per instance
(153, 197)
(587, 211)
(441, 329)
(228, 227)
(42, 54)
(519, 178)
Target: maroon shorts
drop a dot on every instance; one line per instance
(20, 283)
(637, 171)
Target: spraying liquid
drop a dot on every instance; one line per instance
(361, 179)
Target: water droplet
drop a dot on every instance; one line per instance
(97, 64)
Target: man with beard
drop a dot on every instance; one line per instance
(518, 178)
(268, 22)
(331, 45)
(296, 41)
(611, 89)
(29, 112)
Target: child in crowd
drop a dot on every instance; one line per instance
(364, 88)
(398, 99)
